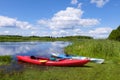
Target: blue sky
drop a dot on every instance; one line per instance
(96, 18)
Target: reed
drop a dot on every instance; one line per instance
(106, 49)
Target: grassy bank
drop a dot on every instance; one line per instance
(106, 49)
(5, 59)
(109, 50)
(108, 71)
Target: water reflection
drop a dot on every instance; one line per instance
(32, 48)
(43, 49)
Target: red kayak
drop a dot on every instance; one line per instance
(47, 62)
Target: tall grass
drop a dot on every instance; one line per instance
(95, 48)
(5, 59)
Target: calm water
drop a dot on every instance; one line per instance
(43, 49)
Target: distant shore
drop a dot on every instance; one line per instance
(17, 38)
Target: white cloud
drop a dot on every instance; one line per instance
(100, 32)
(79, 5)
(33, 33)
(12, 22)
(74, 1)
(59, 33)
(67, 19)
(99, 3)
(6, 32)
(78, 31)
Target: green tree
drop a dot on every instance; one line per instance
(115, 34)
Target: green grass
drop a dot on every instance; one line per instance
(109, 50)
(106, 49)
(5, 59)
(92, 72)
(107, 71)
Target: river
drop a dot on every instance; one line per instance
(41, 49)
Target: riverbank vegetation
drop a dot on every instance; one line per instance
(109, 70)
(17, 38)
(5, 59)
(106, 49)
(115, 34)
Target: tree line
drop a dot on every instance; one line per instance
(4, 38)
(115, 34)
